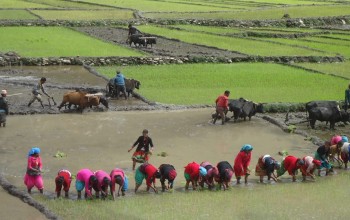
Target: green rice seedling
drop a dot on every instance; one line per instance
(147, 5)
(326, 40)
(84, 14)
(20, 4)
(16, 15)
(267, 13)
(338, 36)
(56, 42)
(284, 200)
(241, 45)
(338, 69)
(68, 4)
(202, 83)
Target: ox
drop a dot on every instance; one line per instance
(243, 108)
(328, 111)
(83, 100)
(130, 85)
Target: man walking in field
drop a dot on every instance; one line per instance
(222, 107)
(36, 92)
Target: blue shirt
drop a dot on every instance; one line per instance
(119, 80)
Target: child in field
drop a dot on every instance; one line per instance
(150, 173)
(85, 179)
(241, 164)
(33, 175)
(63, 180)
(266, 166)
(103, 181)
(118, 177)
(144, 148)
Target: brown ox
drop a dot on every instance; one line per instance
(82, 99)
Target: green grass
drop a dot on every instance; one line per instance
(20, 4)
(338, 69)
(330, 47)
(268, 13)
(344, 43)
(149, 5)
(339, 36)
(68, 4)
(16, 15)
(84, 14)
(56, 42)
(245, 46)
(327, 198)
(201, 83)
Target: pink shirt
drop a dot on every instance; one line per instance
(100, 175)
(84, 176)
(116, 172)
(34, 162)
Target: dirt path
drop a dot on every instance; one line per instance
(164, 47)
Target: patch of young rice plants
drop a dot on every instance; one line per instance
(246, 46)
(338, 69)
(338, 36)
(84, 14)
(152, 6)
(239, 202)
(68, 4)
(341, 42)
(329, 47)
(56, 42)
(201, 83)
(20, 4)
(16, 15)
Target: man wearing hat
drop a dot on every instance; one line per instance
(36, 92)
(119, 83)
(4, 110)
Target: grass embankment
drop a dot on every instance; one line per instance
(56, 42)
(267, 13)
(262, 82)
(338, 69)
(245, 46)
(16, 15)
(147, 5)
(20, 4)
(68, 4)
(84, 14)
(280, 201)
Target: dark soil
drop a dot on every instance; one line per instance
(164, 46)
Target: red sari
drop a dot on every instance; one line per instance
(241, 163)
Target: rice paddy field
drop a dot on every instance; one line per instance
(56, 42)
(260, 82)
(279, 201)
(201, 83)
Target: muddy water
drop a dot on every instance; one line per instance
(101, 141)
(16, 209)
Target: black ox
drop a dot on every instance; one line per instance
(243, 108)
(130, 85)
(328, 111)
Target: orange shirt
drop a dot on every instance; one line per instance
(222, 101)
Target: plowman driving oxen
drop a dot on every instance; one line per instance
(141, 39)
(328, 111)
(243, 108)
(83, 100)
(130, 85)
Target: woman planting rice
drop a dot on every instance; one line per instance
(322, 155)
(192, 172)
(33, 175)
(241, 164)
(310, 164)
(290, 164)
(167, 172)
(118, 177)
(212, 172)
(150, 173)
(266, 166)
(103, 181)
(63, 179)
(85, 179)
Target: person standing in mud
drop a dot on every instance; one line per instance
(4, 109)
(119, 83)
(241, 163)
(36, 92)
(133, 30)
(347, 98)
(33, 175)
(221, 107)
(144, 148)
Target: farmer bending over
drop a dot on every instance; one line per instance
(36, 92)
